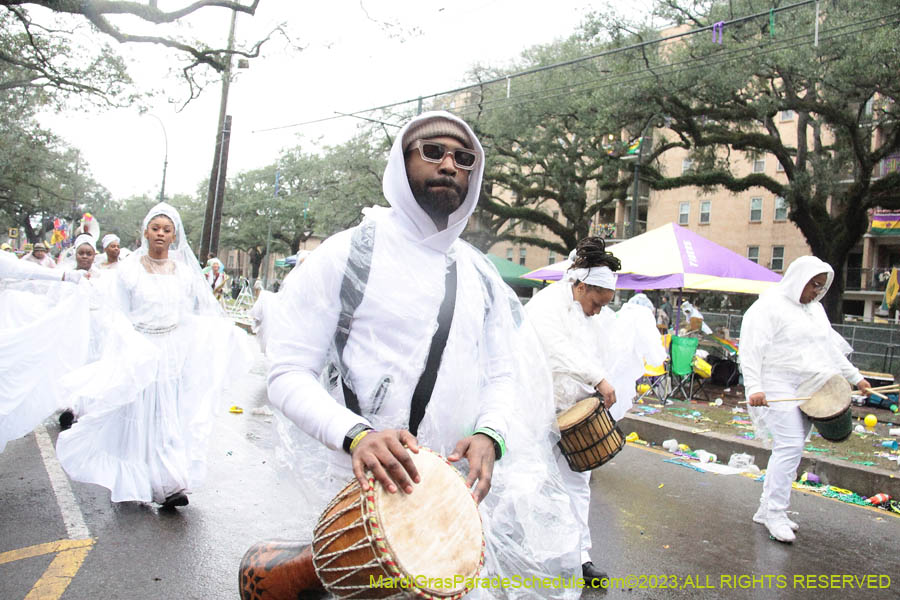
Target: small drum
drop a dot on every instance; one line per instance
(590, 436)
(428, 544)
(829, 410)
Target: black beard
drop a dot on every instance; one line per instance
(439, 204)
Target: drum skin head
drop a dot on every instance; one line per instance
(582, 410)
(435, 532)
(828, 401)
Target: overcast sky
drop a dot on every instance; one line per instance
(356, 56)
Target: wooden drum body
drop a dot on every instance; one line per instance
(590, 436)
(430, 543)
(829, 410)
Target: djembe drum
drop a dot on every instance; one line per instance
(829, 409)
(428, 544)
(590, 436)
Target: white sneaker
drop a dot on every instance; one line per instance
(760, 517)
(780, 530)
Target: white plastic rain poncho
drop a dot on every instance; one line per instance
(44, 326)
(789, 349)
(634, 343)
(149, 442)
(572, 342)
(491, 373)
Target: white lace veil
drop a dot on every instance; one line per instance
(181, 253)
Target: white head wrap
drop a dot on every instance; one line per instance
(85, 238)
(598, 276)
(109, 238)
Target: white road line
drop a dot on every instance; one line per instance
(65, 499)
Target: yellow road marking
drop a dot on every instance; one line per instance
(41, 549)
(70, 555)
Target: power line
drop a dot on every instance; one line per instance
(558, 65)
(660, 71)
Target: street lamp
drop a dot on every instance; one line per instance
(162, 188)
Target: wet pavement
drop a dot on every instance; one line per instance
(678, 532)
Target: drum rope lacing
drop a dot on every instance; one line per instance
(374, 538)
(327, 558)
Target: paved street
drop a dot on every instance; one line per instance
(650, 518)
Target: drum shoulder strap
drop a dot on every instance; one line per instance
(353, 287)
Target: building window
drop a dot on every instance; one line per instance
(509, 254)
(779, 168)
(755, 210)
(556, 216)
(780, 209)
(522, 252)
(686, 165)
(705, 207)
(759, 165)
(684, 213)
(551, 258)
(753, 254)
(787, 115)
(777, 258)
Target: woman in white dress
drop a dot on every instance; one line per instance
(150, 444)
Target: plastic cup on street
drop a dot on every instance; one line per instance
(706, 457)
(670, 445)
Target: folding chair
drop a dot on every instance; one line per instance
(702, 371)
(654, 382)
(681, 369)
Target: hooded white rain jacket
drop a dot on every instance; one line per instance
(789, 349)
(491, 373)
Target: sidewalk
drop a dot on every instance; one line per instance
(864, 480)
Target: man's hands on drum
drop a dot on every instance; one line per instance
(757, 399)
(605, 389)
(479, 450)
(385, 454)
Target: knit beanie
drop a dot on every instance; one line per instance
(435, 127)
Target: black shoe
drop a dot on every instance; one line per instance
(589, 572)
(66, 418)
(176, 499)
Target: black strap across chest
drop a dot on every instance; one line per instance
(356, 276)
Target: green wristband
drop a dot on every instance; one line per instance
(499, 442)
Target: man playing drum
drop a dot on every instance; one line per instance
(789, 350)
(568, 320)
(396, 333)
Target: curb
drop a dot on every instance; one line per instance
(865, 481)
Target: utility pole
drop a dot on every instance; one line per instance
(209, 240)
(269, 235)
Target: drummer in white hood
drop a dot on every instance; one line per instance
(788, 349)
(355, 323)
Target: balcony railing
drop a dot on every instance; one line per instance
(873, 279)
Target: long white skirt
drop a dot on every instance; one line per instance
(150, 444)
(42, 338)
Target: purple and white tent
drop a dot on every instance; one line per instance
(670, 257)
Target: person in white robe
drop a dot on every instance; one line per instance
(148, 443)
(112, 253)
(574, 324)
(788, 350)
(491, 389)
